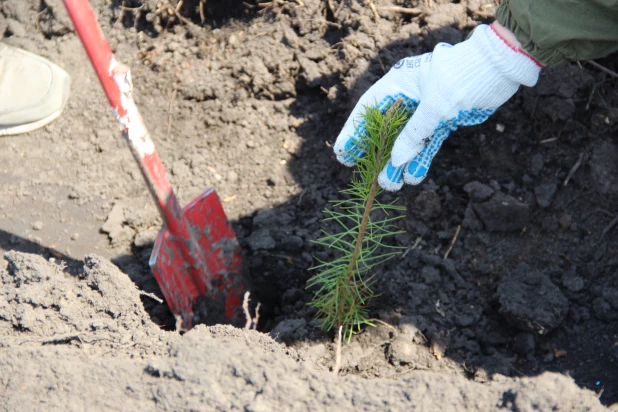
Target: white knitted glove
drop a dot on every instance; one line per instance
(454, 86)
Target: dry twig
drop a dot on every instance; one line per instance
(202, 14)
(381, 322)
(340, 7)
(328, 23)
(453, 240)
(372, 6)
(68, 338)
(178, 320)
(414, 246)
(330, 6)
(609, 227)
(124, 8)
(180, 16)
(172, 10)
(595, 211)
(574, 168)
(405, 10)
(169, 112)
(603, 68)
(300, 197)
(273, 3)
(594, 87)
(151, 296)
(178, 6)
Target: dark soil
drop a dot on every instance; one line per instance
(249, 101)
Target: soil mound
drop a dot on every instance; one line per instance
(85, 342)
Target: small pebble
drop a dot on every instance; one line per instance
(38, 225)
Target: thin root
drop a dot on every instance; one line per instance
(174, 11)
(251, 322)
(257, 316)
(245, 309)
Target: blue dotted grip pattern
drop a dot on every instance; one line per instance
(419, 166)
(417, 169)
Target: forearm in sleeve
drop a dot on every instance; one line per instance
(557, 31)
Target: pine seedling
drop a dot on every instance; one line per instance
(343, 286)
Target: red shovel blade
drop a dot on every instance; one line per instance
(215, 237)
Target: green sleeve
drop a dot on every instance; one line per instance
(556, 31)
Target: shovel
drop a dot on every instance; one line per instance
(196, 258)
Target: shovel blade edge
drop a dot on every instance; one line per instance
(214, 234)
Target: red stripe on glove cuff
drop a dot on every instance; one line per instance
(515, 49)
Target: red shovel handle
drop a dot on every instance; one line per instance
(97, 48)
(116, 81)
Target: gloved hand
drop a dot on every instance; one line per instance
(454, 86)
